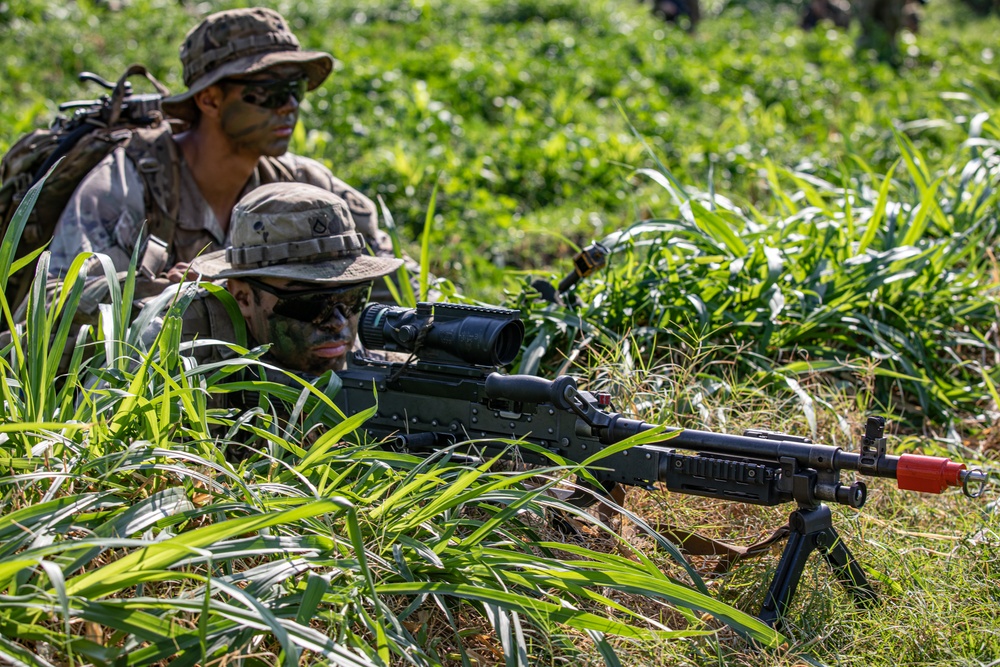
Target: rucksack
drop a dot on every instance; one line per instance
(83, 137)
(96, 128)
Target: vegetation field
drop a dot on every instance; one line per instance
(801, 236)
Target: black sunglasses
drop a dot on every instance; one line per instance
(316, 305)
(271, 94)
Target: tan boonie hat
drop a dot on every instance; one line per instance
(235, 42)
(294, 231)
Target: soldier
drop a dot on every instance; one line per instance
(299, 272)
(246, 76)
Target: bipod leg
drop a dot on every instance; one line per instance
(793, 560)
(811, 528)
(845, 566)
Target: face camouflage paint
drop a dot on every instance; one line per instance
(310, 330)
(271, 94)
(316, 305)
(308, 348)
(260, 116)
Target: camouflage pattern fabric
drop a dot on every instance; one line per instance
(204, 318)
(107, 212)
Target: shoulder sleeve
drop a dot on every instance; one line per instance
(105, 215)
(205, 318)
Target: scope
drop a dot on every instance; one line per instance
(444, 332)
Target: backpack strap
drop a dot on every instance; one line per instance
(156, 157)
(271, 170)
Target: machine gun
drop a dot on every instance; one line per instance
(585, 263)
(449, 392)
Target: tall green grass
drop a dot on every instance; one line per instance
(143, 523)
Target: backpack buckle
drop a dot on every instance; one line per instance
(154, 258)
(149, 165)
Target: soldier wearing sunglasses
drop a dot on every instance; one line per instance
(246, 76)
(298, 270)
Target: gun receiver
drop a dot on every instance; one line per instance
(452, 393)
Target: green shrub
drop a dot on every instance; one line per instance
(833, 276)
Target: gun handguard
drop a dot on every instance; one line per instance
(912, 472)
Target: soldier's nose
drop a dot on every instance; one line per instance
(291, 104)
(335, 322)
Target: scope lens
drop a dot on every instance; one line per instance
(508, 342)
(370, 329)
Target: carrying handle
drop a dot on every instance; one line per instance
(122, 89)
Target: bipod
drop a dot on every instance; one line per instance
(811, 528)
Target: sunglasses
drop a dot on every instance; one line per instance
(272, 94)
(316, 305)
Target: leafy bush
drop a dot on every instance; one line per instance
(511, 106)
(893, 271)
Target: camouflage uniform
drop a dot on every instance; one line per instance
(109, 208)
(107, 212)
(205, 318)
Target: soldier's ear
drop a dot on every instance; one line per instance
(209, 100)
(241, 292)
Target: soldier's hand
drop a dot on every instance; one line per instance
(177, 273)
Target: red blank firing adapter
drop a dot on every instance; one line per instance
(927, 474)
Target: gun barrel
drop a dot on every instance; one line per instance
(773, 448)
(912, 472)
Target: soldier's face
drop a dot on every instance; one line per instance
(308, 331)
(259, 111)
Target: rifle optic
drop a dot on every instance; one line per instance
(444, 332)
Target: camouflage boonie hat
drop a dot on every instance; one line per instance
(294, 231)
(235, 42)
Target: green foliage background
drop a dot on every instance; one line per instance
(512, 105)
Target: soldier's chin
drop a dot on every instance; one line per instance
(277, 149)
